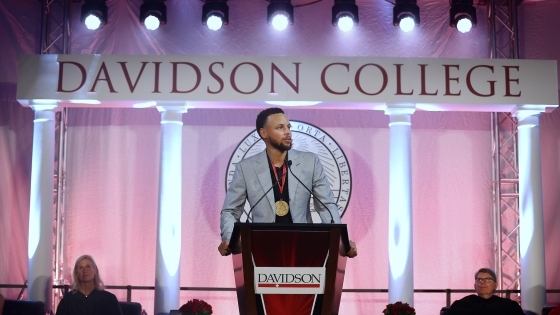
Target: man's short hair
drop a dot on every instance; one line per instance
(263, 116)
(488, 271)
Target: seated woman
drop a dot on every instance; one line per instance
(88, 296)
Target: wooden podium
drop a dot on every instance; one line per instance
(263, 247)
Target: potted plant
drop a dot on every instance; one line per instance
(196, 307)
(399, 308)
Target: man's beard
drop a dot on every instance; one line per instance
(280, 146)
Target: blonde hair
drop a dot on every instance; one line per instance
(97, 282)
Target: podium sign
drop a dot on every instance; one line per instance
(289, 269)
(290, 280)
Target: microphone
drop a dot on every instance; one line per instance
(288, 163)
(312, 194)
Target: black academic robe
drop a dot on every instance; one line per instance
(98, 302)
(476, 305)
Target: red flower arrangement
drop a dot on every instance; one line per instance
(399, 308)
(196, 307)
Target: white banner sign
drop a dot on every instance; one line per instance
(289, 280)
(241, 81)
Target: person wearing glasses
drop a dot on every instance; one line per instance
(484, 302)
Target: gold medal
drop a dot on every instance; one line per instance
(282, 208)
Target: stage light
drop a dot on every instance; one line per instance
(345, 23)
(214, 22)
(406, 24)
(215, 13)
(462, 15)
(280, 13)
(406, 15)
(151, 22)
(464, 25)
(94, 13)
(92, 22)
(345, 14)
(280, 21)
(153, 13)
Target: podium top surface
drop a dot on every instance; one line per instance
(307, 227)
(290, 227)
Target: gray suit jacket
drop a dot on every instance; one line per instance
(252, 179)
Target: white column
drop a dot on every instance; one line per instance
(168, 249)
(40, 242)
(531, 224)
(401, 280)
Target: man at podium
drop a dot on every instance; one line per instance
(277, 183)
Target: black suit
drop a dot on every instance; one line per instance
(98, 302)
(476, 305)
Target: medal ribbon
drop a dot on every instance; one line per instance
(280, 185)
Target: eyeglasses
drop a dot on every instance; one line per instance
(484, 280)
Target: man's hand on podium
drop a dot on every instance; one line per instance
(353, 252)
(224, 248)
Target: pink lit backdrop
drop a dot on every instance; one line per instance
(112, 164)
